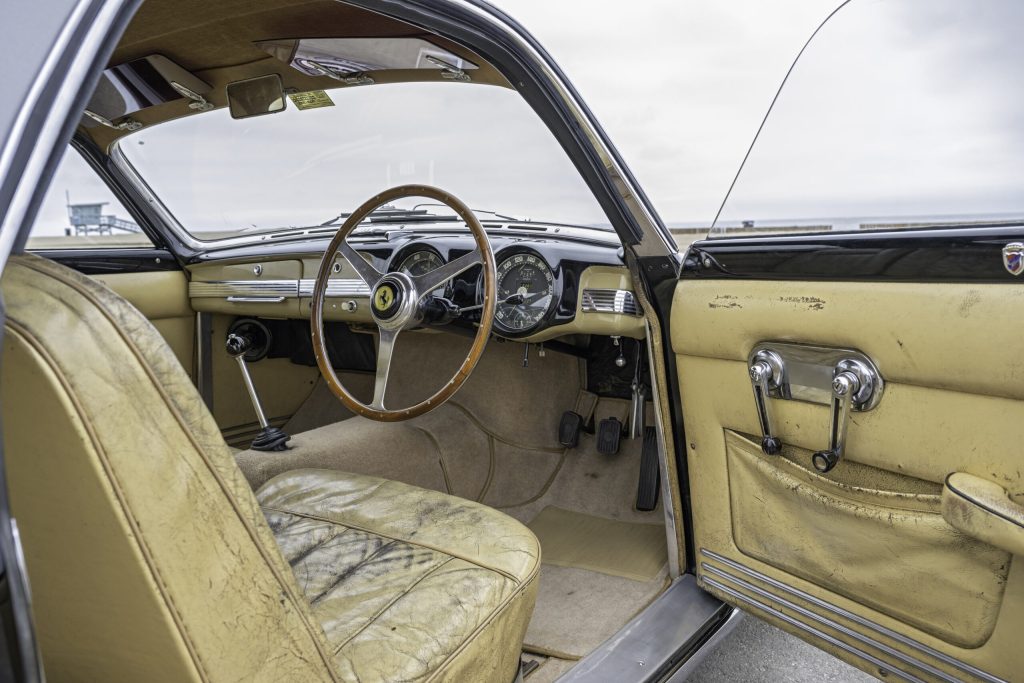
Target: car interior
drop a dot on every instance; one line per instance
(420, 441)
(399, 557)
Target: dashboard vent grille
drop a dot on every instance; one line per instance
(610, 301)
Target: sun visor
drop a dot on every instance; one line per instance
(130, 87)
(350, 59)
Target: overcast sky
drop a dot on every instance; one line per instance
(900, 108)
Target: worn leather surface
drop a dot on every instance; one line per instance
(148, 554)
(952, 399)
(982, 509)
(409, 584)
(780, 506)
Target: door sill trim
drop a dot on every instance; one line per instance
(829, 607)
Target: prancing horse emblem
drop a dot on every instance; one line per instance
(1013, 257)
(384, 297)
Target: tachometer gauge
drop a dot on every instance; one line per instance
(526, 290)
(422, 262)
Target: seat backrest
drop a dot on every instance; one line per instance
(147, 554)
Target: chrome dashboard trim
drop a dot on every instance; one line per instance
(336, 287)
(274, 290)
(845, 614)
(244, 288)
(620, 301)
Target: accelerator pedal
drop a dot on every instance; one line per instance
(650, 474)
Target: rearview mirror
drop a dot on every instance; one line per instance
(256, 96)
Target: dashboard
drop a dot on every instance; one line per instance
(547, 286)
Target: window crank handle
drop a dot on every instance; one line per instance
(845, 386)
(762, 377)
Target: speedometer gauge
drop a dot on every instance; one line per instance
(422, 262)
(526, 291)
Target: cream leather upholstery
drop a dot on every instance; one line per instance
(150, 558)
(382, 561)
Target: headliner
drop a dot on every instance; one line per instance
(214, 41)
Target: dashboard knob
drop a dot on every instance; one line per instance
(350, 306)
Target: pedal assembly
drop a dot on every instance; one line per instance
(611, 430)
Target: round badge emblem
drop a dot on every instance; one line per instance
(383, 298)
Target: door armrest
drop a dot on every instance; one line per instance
(983, 510)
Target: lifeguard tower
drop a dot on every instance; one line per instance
(89, 219)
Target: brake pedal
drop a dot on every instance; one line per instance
(650, 474)
(569, 428)
(609, 433)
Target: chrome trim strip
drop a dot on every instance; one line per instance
(878, 628)
(849, 632)
(279, 289)
(336, 287)
(242, 288)
(255, 299)
(835, 642)
(609, 301)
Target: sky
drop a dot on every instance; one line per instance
(892, 111)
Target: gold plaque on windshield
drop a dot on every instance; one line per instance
(311, 100)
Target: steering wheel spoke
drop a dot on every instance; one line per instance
(366, 272)
(428, 282)
(385, 349)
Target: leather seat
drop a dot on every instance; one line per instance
(150, 557)
(404, 581)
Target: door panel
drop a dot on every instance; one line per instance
(860, 560)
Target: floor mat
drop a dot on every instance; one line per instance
(628, 549)
(578, 609)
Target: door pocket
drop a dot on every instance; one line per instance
(874, 536)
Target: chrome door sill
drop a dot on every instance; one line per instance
(663, 643)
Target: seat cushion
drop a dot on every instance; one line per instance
(409, 584)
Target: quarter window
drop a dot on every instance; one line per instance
(80, 212)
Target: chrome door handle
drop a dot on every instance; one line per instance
(766, 370)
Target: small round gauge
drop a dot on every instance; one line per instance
(422, 262)
(526, 290)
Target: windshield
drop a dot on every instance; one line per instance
(222, 177)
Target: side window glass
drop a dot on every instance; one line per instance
(80, 212)
(899, 115)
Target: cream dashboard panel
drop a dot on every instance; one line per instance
(605, 305)
(277, 289)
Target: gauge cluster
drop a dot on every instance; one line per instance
(536, 281)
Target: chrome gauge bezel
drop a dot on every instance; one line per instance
(399, 265)
(509, 259)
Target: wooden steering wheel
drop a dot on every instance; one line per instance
(396, 303)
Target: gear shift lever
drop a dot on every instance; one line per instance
(269, 438)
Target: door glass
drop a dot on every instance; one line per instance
(900, 115)
(80, 212)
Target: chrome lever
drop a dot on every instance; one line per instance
(853, 385)
(765, 374)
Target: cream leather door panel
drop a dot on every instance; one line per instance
(161, 296)
(901, 559)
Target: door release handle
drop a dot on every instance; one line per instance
(853, 386)
(766, 369)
